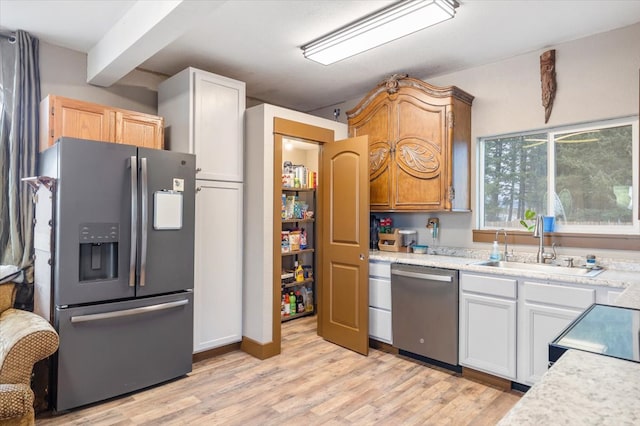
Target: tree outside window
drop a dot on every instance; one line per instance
(583, 176)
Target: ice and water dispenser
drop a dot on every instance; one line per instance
(98, 251)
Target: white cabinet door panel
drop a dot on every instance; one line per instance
(218, 265)
(219, 105)
(539, 325)
(544, 310)
(488, 334)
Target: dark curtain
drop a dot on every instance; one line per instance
(20, 93)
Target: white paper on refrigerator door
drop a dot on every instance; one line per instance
(167, 210)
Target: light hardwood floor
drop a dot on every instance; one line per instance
(312, 382)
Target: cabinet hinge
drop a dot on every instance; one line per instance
(451, 193)
(450, 119)
(51, 131)
(52, 110)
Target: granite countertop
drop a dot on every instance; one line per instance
(581, 388)
(608, 278)
(584, 388)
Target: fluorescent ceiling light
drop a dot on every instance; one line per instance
(391, 23)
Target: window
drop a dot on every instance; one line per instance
(586, 176)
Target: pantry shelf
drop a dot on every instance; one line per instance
(298, 243)
(297, 283)
(287, 189)
(297, 220)
(292, 317)
(295, 252)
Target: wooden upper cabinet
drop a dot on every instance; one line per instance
(133, 128)
(419, 145)
(61, 116)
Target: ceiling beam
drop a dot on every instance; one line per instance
(144, 30)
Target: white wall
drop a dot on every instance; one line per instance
(63, 72)
(597, 78)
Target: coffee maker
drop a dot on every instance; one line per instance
(374, 228)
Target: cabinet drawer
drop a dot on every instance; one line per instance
(380, 269)
(380, 293)
(380, 325)
(558, 295)
(484, 284)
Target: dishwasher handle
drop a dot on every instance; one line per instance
(419, 275)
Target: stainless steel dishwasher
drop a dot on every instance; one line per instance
(424, 312)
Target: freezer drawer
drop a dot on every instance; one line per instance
(111, 349)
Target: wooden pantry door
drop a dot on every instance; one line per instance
(344, 294)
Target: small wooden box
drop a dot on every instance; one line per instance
(391, 242)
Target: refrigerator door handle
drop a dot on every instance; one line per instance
(129, 312)
(144, 222)
(134, 220)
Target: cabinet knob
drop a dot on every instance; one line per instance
(199, 169)
(198, 189)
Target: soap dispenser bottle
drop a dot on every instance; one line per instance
(495, 252)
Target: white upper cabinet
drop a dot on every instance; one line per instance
(204, 115)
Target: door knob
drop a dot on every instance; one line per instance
(361, 256)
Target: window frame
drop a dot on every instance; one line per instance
(571, 230)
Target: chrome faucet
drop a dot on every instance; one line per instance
(538, 232)
(506, 256)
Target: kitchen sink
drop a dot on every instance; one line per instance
(549, 269)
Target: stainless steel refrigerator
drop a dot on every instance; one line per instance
(115, 272)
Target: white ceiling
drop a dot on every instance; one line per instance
(258, 41)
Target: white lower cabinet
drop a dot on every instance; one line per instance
(488, 324)
(607, 296)
(380, 301)
(544, 310)
(217, 292)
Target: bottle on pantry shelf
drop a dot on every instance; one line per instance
(303, 239)
(305, 298)
(309, 300)
(287, 306)
(299, 272)
(282, 307)
(292, 301)
(495, 252)
(300, 302)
